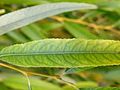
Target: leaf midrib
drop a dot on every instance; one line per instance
(55, 53)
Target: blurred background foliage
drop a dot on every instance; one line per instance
(103, 23)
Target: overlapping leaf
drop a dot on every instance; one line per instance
(29, 15)
(17, 82)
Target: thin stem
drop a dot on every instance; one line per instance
(91, 25)
(29, 84)
(13, 68)
(16, 69)
(43, 75)
(55, 77)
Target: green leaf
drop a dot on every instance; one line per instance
(30, 33)
(83, 84)
(1, 46)
(77, 70)
(66, 53)
(47, 26)
(17, 36)
(20, 18)
(102, 69)
(38, 30)
(28, 2)
(18, 82)
(79, 31)
(3, 87)
(113, 75)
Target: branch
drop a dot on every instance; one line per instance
(26, 73)
(91, 25)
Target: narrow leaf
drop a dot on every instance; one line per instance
(79, 31)
(29, 15)
(17, 36)
(82, 84)
(18, 82)
(66, 53)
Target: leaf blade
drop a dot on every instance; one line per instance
(79, 31)
(65, 53)
(31, 14)
(19, 83)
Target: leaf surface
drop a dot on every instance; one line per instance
(18, 82)
(66, 53)
(20, 18)
(79, 31)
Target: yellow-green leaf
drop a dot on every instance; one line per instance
(66, 53)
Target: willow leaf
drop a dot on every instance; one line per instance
(28, 2)
(17, 82)
(76, 70)
(82, 84)
(63, 53)
(29, 15)
(79, 31)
